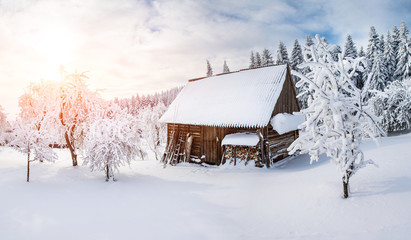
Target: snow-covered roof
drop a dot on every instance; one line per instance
(241, 99)
(285, 122)
(241, 139)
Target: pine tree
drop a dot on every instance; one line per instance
(209, 69)
(373, 46)
(361, 52)
(296, 56)
(350, 51)
(349, 48)
(257, 59)
(378, 74)
(296, 59)
(252, 60)
(395, 42)
(267, 59)
(389, 58)
(362, 76)
(335, 50)
(403, 69)
(282, 54)
(225, 67)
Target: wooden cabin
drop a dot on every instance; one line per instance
(207, 109)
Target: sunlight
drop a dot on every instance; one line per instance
(55, 45)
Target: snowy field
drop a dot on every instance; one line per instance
(293, 201)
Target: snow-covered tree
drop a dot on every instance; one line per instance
(361, 52)
(394, 106)
(2, 120)
(154, 132)
(395, 39)
(209, 69)
(296, 59)
(335, 51)
(36, 104)
(252, 61)
(296, 56)
(225, 67)
(390, 58)
(403, 69)
(33, 142)
(111, 140)
(336, 118)
(378, 73)
(75, 102)
(267, 58)
(374, 46)
(349, 48)
(282, 54)
(309, 40)
(258, 62)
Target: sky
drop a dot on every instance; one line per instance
(132, 46)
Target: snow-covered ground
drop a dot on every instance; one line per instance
(293, 201)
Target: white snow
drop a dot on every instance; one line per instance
(294, 201)
(241, 139)
(239, 99)
(285, 122)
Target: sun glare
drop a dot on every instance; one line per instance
(55, 45)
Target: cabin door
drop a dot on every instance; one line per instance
(212, 144)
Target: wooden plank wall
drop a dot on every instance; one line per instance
(206, 140)
(195, 131)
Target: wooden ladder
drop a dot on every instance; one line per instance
(177, 151)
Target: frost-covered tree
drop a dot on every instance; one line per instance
(154, 132)
(33, 142)
(36, 105)
(403, 69)
(209, 69)
(282, 54)
(258, 62)
(75, 102)
(111, 140)
(336, 118)
(394, 106)
(252, 60)
(349, 48)
(225, 67)
(266, 58)
(309, 40)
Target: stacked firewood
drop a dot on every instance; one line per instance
(236, 154)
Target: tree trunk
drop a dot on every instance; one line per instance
(345, 186)
(107, 175)
(28, 167)
(71, 148)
